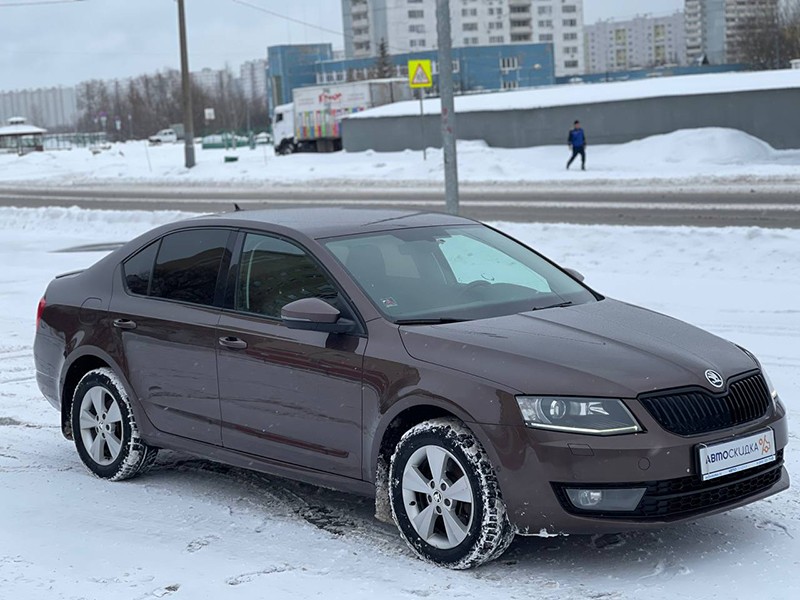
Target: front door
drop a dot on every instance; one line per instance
(288, 395)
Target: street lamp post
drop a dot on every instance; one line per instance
(188, 125)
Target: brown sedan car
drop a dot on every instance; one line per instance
(472, 386)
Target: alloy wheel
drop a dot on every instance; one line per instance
(101, 428)
(438, 497)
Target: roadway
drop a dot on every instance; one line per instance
(741, 207)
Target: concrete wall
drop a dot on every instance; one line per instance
(771, 115)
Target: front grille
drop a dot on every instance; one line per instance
(676, 498)
(693, 411)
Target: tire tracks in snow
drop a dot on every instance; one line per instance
(336, 513)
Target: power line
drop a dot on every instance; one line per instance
(288, 18)
(305, 23)
(38, 3)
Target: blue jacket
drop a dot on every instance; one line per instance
(576, 139)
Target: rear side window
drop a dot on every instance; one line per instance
(188, 265)
(138, 270)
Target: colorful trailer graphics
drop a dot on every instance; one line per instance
(319, 110)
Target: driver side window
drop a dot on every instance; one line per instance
(274, 272)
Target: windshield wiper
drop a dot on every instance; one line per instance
(559, 305)
(428, 321)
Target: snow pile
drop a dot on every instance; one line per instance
(192, 529)
(570, 95)
(710, 146)
(702, 156)
(109, 225)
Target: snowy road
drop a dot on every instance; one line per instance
(701, 177)
(634, 204)
(195, 530)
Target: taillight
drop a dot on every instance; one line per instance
(39, 311)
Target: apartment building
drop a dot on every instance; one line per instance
(713, 27)
(253, 78)
(53, 107)
(410, 26)
(639, 43)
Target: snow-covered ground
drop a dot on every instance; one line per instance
(702, 157)
(195, 530)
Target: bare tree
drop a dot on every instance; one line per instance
(769, 39)
(153, 102)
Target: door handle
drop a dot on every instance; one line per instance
(233, 343)
(124, 324)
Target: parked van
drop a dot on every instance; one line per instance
(165, 136)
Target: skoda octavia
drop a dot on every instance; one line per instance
(474, 387)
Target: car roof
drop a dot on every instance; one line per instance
(319, 222)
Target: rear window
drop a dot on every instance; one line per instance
(188, 265)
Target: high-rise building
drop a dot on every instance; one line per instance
(410, 25)
(210, 80)
(253, 77)
(713, 27)
(639, 43)
(55, 107)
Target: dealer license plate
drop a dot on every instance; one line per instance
(718, 460)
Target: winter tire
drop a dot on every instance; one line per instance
(445, 497)
(105, 431)
(285, 148)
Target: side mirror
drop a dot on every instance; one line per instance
(314, 314)
(576, 274)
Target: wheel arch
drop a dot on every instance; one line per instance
(402, 417)
(85, 360)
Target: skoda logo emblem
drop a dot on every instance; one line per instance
(714, 378)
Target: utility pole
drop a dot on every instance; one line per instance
(188, 124)
(448, 105)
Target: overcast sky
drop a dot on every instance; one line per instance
(64, 42)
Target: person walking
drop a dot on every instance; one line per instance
(577, 143)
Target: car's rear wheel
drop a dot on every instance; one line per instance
(445, 497)
(104, 428)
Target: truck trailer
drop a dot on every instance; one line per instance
(312, 123)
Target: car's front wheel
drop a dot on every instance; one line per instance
(445, 497)
(105, 431)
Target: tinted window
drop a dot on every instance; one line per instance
(138, 269)
(464, 272)
(273, 272)
(188, 264)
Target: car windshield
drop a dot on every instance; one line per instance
(457, 273)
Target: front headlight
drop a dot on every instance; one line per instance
(594, 416)
(773, 393)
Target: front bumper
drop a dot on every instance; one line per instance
(535, 467)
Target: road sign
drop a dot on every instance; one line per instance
(420, 74)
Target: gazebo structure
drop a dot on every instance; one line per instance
(20, 137)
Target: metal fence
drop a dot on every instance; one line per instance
(67, 141)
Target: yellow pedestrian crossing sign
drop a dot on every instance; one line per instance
(420, 74)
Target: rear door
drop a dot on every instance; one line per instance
(165, 309)
(288, 395)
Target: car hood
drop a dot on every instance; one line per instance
(606, 348)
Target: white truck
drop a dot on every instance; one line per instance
(312, 122)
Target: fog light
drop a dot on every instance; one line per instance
(624, 500)
(588, 498)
